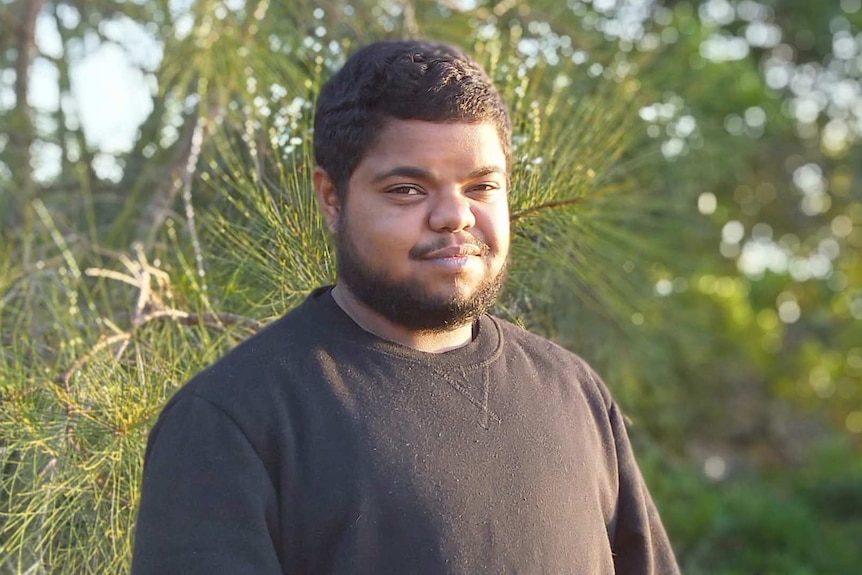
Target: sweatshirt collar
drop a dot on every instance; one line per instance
(484, 347)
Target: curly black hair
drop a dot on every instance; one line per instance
(405, 80)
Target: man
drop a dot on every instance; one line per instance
(388, 425)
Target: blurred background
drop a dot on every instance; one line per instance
(686, 203)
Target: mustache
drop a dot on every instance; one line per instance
(419, 252)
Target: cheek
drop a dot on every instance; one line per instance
(384, 232)
(495, 224)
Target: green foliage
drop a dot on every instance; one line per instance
(633, 154)
(80, 393)
(802, 520)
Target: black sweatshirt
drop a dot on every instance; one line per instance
(315, 447)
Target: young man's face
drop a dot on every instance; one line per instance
(423, 234)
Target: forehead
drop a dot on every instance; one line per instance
(441, 147)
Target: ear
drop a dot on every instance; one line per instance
(327, 198)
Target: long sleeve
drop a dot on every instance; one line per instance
(207, 504)
(640, 544)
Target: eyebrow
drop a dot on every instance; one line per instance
(407, 172)
(486, 171)
(425, 174)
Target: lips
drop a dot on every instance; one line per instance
(443, 249)
(454, 252)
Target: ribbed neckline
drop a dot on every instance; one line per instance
(483, 349)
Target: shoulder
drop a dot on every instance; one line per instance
(551, 359)
(258, 367)
(515, 335)
(249, 390)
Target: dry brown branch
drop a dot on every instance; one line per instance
(214, 321)
(210, 320)
(149, 307)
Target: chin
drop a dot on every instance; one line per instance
(424, 300)
(454, 293)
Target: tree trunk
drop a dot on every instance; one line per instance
(21, 133)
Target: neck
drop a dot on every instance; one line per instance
(373, 322)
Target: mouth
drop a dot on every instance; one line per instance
(456, 258)
(443, 250)
(454, 252)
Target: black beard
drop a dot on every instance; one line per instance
(407, 303)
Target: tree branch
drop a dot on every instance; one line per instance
(533, 210)
(211, 320)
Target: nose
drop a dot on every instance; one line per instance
(452, 212)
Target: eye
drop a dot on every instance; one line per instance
(405, 190)
(484, 188)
